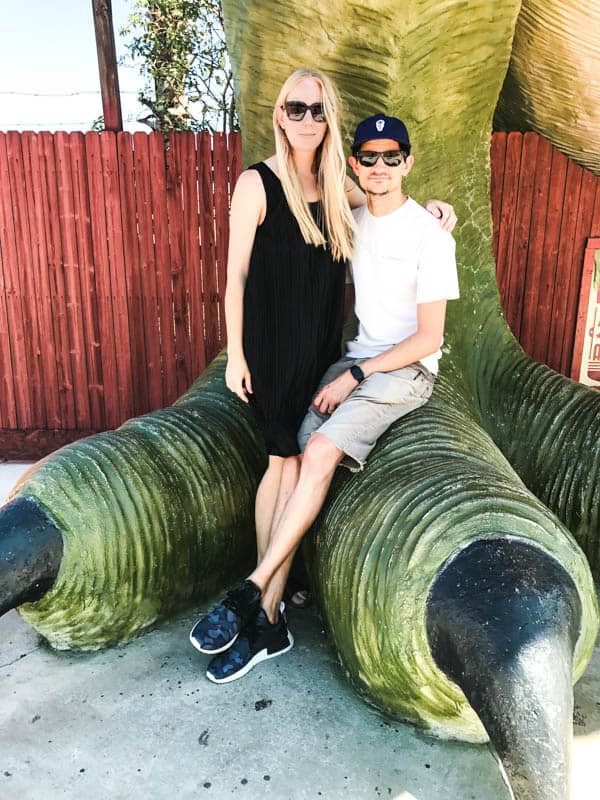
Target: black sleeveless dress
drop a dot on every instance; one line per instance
(293, 318)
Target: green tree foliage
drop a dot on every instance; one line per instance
(180, 46)
(98, 124)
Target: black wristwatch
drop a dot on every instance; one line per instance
(357, 373)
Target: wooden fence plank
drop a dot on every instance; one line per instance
(175, 216)
(158, 188)
(507, 214)
(19, 174)
(87, 279)
(558, 174)
(536, 256)
(210, 286)
(8, 408)
(17, 297)
(521, 231)
(595, 231)
(221, 201)
(149, 299)
(30, 279)
(39, 268)
(234, 156)
(106, 329)
(8, 365)
(71, 275)
(497, 158)
(563, 317)
(20, 177)
(114, 229)
(192, 261)
(54, 254)
(132, 270)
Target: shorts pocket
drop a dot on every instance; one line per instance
(423, 385)
(391, 387)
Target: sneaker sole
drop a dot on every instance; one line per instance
(211, 652)
(262, 655)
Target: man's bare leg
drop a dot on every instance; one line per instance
(318, 467)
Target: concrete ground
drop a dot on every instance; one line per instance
(141, 721)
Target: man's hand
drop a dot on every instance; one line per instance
(444, 212)
(237, 377)
(334, 393)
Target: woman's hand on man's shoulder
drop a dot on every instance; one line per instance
(444, 212)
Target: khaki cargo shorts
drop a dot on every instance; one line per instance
(377, 402)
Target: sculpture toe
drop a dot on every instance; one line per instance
(503, 619)
(31, 551)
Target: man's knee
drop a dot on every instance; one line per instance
(321, 457)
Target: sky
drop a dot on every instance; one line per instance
(49, 69)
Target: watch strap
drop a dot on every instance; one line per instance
(357, 373)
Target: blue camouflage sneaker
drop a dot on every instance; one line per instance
(258, 641)
(219, 629)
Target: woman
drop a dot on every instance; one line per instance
(290, 237)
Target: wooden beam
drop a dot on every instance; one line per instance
(31, 445)
(107, 65)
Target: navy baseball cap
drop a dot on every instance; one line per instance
(380, 126)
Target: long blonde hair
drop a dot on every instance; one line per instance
(331, 172)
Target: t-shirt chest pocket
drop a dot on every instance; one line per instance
(397, 271)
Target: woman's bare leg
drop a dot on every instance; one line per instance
(273, 592)
(266, 503)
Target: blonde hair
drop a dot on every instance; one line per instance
(331, 172)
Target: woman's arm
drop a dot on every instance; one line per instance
(354, 193)
(248, 207)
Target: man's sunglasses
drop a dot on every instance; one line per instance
(296, 110)
(368, 158)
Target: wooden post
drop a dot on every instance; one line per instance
(107, 65)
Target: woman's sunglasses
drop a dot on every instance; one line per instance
(296, 110)
(368, 158)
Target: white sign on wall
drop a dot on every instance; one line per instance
(585, 366)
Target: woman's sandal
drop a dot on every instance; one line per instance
(296, 595)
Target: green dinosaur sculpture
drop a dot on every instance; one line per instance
(152, 515)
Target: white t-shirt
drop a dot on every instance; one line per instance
(401, 259)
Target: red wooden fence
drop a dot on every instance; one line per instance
(544, 208)
(112, 274)
(112, 269)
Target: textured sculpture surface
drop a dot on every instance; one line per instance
(153, 515)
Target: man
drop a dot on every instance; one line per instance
(403, 271)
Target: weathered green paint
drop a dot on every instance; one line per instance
(438, 480)
(154, 515)
(553, 81)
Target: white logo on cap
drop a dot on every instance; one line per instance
(380, 124)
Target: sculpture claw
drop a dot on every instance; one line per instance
(31, 550)
(503, 619)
